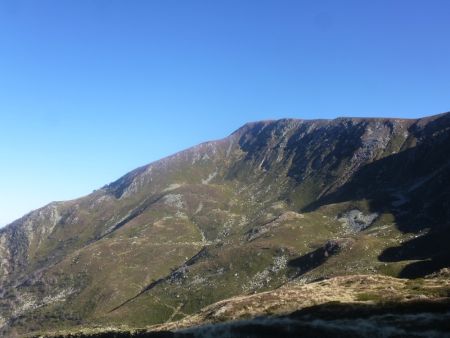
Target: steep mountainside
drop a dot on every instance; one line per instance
(274, 201)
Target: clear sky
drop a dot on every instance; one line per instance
(92, 89)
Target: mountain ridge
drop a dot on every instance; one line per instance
(237, 131)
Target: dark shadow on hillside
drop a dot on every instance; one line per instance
(315, 258)
(431, 250)
(419, 197)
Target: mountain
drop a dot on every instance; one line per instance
(276, 202)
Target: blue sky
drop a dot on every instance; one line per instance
(92, 89)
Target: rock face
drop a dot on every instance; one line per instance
(239, 215)
(356, 221)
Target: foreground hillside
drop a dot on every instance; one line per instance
(275, 202)
(348, 306)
